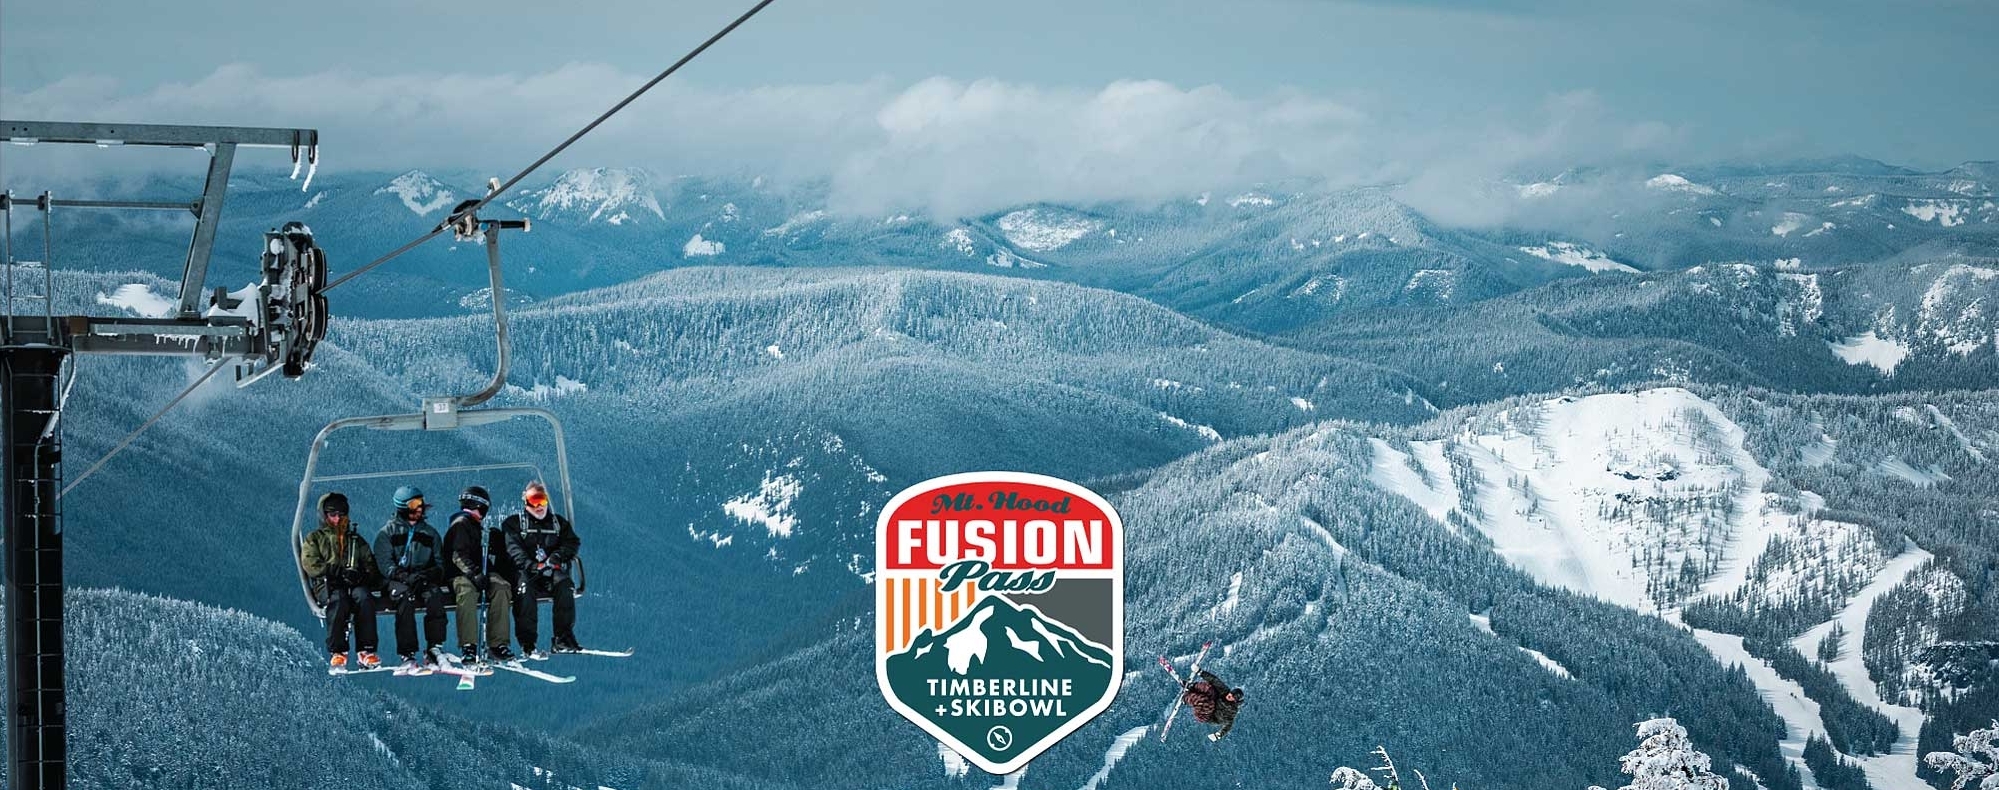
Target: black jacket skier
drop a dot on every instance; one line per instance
(465, 557)
(410, 555)
(542, 546)
(337, 563)
(1214, 702)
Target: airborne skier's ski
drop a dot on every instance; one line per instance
(1180, 686)
(516, 667)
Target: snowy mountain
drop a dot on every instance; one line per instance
(611, 196)
(1657, 498)
(1638, 499)
(420, 193)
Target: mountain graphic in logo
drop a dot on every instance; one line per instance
(1002, 677)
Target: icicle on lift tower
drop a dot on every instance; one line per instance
(271, 328)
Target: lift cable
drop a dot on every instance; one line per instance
(127, 441)
(493, 195)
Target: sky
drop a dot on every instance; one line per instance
(953, 104)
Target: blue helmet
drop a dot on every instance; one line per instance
(407, 494)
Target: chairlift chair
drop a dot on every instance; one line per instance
(443, 413)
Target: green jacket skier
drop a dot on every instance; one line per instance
(343, 574)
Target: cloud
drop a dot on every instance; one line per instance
(941, 145)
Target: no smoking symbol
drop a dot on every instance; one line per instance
(999, 738)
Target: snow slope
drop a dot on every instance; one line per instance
(1118, 748)
(1607, 495)
(1571, 254)
(1895, 770)
(1799, 712)
(1868, 348)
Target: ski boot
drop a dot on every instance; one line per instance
(432, 656)
(409, 665)
(501, 654)
(565, 646)
(536, 654)
(338, 663)
(470, 657)
(369, 660)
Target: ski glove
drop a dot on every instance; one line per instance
(398, 590)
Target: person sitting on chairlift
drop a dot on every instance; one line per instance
(543, 548)
(465, 552)
(342, 573)
(410, 554)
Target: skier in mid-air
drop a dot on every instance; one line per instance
(1213, 702)
(465, 554)
(342, 572)
(542, 545)
(410, 554)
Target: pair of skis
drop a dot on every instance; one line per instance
(1178, 699)
(455, 666)
(519, 666)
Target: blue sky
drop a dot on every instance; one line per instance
(1344, 90)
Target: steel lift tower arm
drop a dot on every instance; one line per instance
(221, 141)
(273, 326)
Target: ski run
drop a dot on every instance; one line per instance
(1542, 479)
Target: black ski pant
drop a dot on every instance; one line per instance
(562, 603)
(432, 599)
(346, 605)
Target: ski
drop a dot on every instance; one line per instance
(359, 671)
(465, 676)
(417, 672)
(625, 653)
(1180, 686)
(516, 667)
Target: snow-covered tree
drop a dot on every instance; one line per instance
(1976, 762)
(1666, 760)
(1350, 779)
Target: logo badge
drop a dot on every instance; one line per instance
(1000, 620)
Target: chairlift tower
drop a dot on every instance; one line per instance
(272, 327)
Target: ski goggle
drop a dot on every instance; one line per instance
(536, 499)
(416, 504)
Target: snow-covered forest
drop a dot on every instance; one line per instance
(1483, 497)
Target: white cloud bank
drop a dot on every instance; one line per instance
(941, 145)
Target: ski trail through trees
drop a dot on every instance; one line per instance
(1895, 770)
